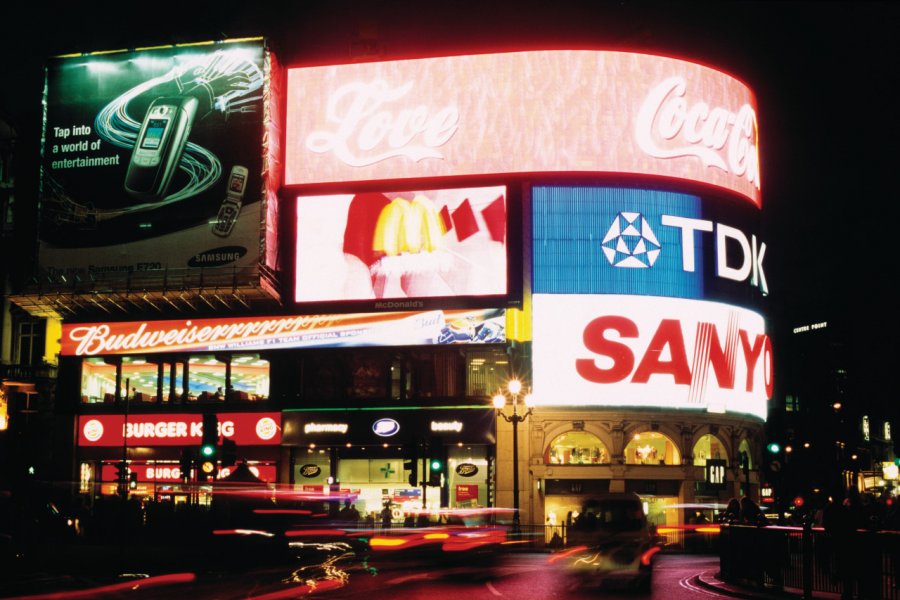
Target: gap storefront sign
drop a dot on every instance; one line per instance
(606, 240)
(650, 352)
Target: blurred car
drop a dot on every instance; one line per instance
(610, 543)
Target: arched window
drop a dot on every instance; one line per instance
(708, 446)
(576, 448)
(651, 448)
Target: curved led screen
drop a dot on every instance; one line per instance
(599, 240)
(559, 111)
(641, 351)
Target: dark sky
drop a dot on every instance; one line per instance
(825, 74)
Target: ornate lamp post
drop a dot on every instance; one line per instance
(514, 387)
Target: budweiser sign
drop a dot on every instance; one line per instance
(260, 333)
(667, 126)
(370, 124)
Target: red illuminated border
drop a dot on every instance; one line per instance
(150, 430)
(523, 112)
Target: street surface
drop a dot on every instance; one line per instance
(518, 576)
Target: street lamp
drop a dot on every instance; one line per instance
(514, 387)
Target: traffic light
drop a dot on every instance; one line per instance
(436, 462)
(229, 452)
(774, 447)
(133, 480)
(209, 447)
(411, 462)
(121, 472)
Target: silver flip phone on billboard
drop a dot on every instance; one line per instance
(159, 145)
(231, 206)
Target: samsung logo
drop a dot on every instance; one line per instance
(385, 427)
(216, 257)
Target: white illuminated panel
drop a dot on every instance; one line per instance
(642, 351)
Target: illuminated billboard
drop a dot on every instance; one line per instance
(648, 352)
(557, 111)
(485, 326)
(397, 245)
(245, 429)
(604, 240)
(154, 159)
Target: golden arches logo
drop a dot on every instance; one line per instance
(408, 227)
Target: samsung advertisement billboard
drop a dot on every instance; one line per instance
(650, 352)
(612, 240)
(153, 159)
(393, 250)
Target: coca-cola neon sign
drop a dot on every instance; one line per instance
(642, 351)
(717, 136)
(584, 111)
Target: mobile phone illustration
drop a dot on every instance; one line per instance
(231, 206)
(160, 142)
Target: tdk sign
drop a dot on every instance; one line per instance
(629, 241)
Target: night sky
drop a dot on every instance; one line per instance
(825, 75)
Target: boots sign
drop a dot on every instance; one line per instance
(637, 351)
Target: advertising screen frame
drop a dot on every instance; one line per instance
(473, 217)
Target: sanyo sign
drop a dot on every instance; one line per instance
(639, 351)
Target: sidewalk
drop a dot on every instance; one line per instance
(709, 580)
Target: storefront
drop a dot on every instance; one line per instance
(153, 447)
(383, 456)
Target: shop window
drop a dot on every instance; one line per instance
(576, 448)
(138, 379)
(487, 372)
(651, 448)
(323, 377)
(98, 381)
(29, 343)
(250, 377)
(436, 374)
(206, 378)
(708, 446)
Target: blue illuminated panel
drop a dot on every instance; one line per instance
(605, 240)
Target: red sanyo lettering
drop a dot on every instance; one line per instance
(670, 337)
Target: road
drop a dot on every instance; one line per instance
(516, 576)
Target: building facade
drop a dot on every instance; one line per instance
(344, 263)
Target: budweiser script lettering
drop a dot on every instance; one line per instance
(365, 125)
(718, 137)
(98, 339)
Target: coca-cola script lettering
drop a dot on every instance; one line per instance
(668, 127)
(369, 129)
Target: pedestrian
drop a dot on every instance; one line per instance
(751, 513)
(732, 513)
(386, 516)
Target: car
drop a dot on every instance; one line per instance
(610, 542)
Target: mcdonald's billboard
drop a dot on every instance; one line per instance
(392, 250)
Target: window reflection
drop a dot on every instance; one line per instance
(576, 448)
(198, 378)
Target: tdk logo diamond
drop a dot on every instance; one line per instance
(630, 242)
